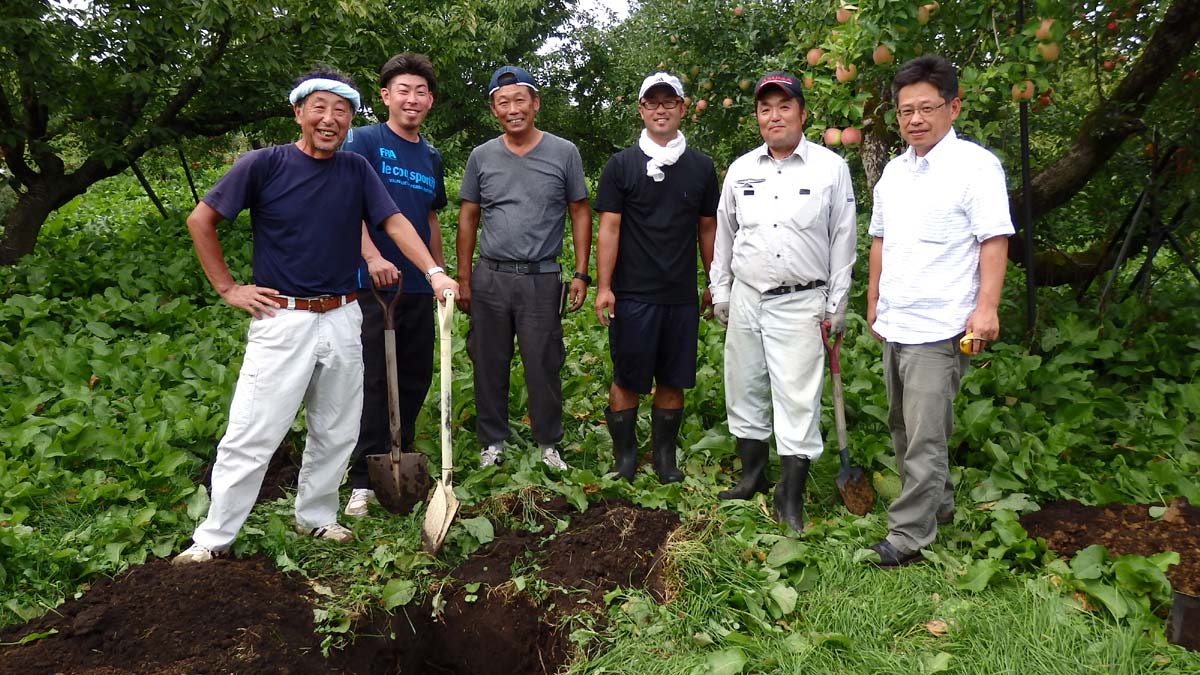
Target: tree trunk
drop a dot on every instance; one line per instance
(38, 200)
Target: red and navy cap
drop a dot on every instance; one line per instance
(785, 81)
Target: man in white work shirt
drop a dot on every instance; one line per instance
(940, 225)
(781, 267)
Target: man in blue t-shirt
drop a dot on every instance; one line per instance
(308, 205)
(411, 170)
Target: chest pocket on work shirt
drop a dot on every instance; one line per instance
(788, 205)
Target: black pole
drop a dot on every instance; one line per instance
(187, 172)
(146, 186)
(1027, 203)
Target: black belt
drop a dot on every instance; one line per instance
(784, 290)
(522, 267)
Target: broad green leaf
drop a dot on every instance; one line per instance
(480, 528)
(936, 663)
(197, 504)
(977, 575)
(785, 551)
(398, 592)
(726, 662)
(784, 596)
(1089, 563)
(1108, 595)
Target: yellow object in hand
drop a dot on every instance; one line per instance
(964, 343)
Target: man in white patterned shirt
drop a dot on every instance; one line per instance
(781, 268)
(940, 225)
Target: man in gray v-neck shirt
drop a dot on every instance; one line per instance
(522, 184)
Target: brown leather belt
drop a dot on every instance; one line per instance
(320, 304)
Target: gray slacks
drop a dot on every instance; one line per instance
(922, 381)
(505, 306)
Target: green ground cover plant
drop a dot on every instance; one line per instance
(117, 362)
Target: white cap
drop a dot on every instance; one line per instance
(661, 79)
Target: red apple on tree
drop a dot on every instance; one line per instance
(845, 73)
(1044, 32)
(1048, 51)
(851, 136)
(727, 102)
(922, 15)
(814, 56)
(843, 14)
(1108, 65)
(1022, 92)
(738, 11)
(882, 55)
(701, 105)
(808, 82)
(833, 137)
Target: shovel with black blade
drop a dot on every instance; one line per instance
(852, 484)
(400, 479)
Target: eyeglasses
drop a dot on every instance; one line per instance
(667, 104)
(925, 110)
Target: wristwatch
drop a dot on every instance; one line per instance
(583, 277)
(432, 271)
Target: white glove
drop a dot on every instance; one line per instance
(721, 313)
(837, 320)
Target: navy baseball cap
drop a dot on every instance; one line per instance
(506, 75)
(785, 81)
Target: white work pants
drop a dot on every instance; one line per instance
(774, 366)
(291, 358)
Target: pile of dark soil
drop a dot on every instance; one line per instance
(243, 616)
(1123, 529)
(228, 616)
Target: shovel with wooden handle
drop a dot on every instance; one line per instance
(443, 505)
(400, 479)
(852, 484)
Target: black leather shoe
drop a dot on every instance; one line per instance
(890, 557)
(755, 455)
(622, 426)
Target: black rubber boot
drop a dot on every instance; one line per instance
(622, 427)
(754, 454)
(788, 502)
(664, 427)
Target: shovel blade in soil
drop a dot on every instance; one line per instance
(438, 517)
(399, 486)
(857, 493)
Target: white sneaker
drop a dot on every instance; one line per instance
(194, 554)
(491, 455)
(359, 499)
(332, 532)
(551, 459)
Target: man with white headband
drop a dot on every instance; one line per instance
(308, 204)
(657, 201)
(520, 185)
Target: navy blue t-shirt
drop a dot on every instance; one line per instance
(413, 176)
(306, 215)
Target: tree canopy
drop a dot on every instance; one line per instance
(85, 91)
